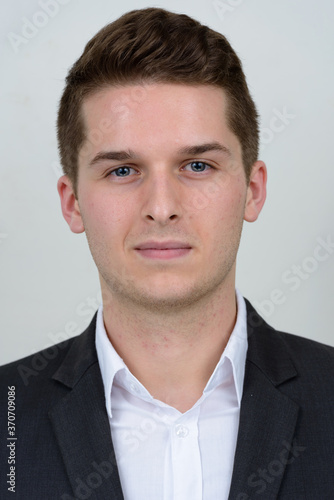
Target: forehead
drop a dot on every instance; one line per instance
(120, 101)
(153, 115)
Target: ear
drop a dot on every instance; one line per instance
(256, 191)
(70, 205)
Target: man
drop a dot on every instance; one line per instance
(177, 389)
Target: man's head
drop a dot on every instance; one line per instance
(157, 145)
(154, 46)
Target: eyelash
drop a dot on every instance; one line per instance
(113, 172)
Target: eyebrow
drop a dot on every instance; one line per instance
(204, 148)
(187, 150)
(112, 155)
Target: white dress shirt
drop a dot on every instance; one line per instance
(163, 454)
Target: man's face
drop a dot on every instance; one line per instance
(161, 193)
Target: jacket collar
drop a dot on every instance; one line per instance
(80, 357)
(267, 416)
(81, 424)
(267, 349)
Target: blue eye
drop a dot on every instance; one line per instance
(198, 166)
(121, 171)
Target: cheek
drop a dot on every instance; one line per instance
(228, 206)
(226, 219)
(103, 216)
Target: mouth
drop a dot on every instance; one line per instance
(163, 250)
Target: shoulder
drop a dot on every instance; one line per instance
(313, 361)
(35, 373)
(308, 356)
(40, 364)
(304, 348)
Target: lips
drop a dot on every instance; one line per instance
(163, 249)
(162, 245)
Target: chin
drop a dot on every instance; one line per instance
(165, 301)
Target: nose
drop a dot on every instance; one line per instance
(162, 199)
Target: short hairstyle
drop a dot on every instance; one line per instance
(154, 45)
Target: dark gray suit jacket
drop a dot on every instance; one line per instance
(285, 447)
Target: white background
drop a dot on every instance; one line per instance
(49, 284)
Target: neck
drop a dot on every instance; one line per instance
(172, 354)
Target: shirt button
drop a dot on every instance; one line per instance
(181, 431)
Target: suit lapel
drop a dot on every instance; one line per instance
(81, 425)
(267, 416)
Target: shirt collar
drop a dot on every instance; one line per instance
(235, 352)
(110, 362)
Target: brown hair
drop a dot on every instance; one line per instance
(154, 45)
